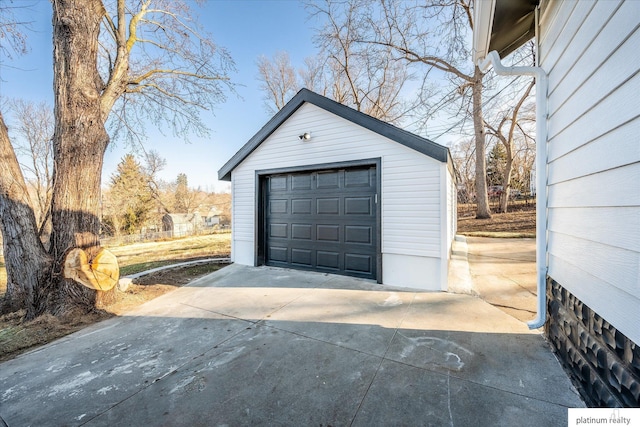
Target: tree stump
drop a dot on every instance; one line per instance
(101, 273)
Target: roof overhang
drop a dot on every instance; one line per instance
(503, 26)
(420, 144)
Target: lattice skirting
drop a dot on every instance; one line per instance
(603, 363)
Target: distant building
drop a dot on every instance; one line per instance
(212, 218)
(182, 224)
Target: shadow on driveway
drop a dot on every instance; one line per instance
(266, 346)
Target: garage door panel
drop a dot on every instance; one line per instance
(358, 234)
(324, 221)
(329, 233)
(279, 253)
(358, 263)
(301, 231)
(278, 230)
(357, 178)
(301, 182)
(278, 206)
(278, 183)
(328, 206)
(328, 180)
(358, 205)
(327, 259)
(302, 257)
(301, 206)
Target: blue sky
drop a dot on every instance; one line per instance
(247, 28)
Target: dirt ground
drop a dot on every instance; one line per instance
(520, 222)
(17, 337)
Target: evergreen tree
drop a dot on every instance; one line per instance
(130, 199)
(496, 163)
(182, 198)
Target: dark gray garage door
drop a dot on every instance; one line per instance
(323, 220)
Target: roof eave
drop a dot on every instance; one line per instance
(503, 26)
(483, 19)
(422, 145)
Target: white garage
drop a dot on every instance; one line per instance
(326, 188)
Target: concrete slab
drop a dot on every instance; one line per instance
(261, 377)
(504, 274)
(266, 346)
(426, 398)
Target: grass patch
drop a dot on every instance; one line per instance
(136, 257)
(210, 246)
(143, 266)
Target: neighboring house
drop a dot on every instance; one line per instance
(182, 224)
(324, 187)
(212, 217)
(590, 125)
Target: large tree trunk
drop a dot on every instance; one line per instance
(79, 143)
(483, 210)
(27, 263)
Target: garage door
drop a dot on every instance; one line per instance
(323, 220)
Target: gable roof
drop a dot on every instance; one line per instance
(422, 145)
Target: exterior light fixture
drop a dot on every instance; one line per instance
(305, 136)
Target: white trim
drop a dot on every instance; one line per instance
(483, 18)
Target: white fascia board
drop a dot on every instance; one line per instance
(483, 19)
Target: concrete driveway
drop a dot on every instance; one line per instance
(266, 346)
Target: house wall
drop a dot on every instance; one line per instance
(589, 51)
(411, 192)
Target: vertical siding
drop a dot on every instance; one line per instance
(410, 181)
(589, 50)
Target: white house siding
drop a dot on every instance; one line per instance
(589, 50)
(449, 219)
(410, 193)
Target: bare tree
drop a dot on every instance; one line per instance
(152, 55)
(34, 128)
(279, 81)
(463, 154)
(153, 164)
(366, 77)
(13, 40)
(505, 132)
(433, 34)
(363, 77)
(311, 75)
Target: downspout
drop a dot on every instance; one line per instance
(541, 172)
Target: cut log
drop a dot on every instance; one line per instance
(101, 273)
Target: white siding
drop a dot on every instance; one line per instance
(589, 50)
(410, 193)
(449, 219)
